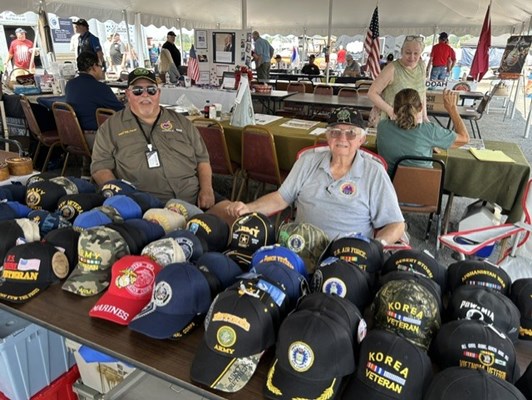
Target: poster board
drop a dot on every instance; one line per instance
(514, 56)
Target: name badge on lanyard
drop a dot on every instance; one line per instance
(152, 157)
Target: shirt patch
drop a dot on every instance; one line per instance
(167, 126)
(348, 189)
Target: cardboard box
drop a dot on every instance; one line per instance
(435, 101)
(102, 375)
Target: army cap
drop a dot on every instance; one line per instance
(98, 249)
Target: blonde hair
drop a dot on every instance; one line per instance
(406, 106)
(165, 60)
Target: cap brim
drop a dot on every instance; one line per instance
(358, 389)
(228, 374)
(19, 292)
(87, 283)
(117, 309)
(159, 325)
(281, 383)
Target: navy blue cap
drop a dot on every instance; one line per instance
(145, 200)
(83, 185)
(13, 191)
(221, 266)
(117, 186)
(191, 244)
(282, 254)
(126, 206)
(151, 230)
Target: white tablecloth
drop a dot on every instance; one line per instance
(199, 96)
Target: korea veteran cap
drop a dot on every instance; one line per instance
(478, 273)
(29, 269)
(477, 345)
(132, 281)
(457, 383)
(313, 355)
(98, 249)
(522, 298)
(389, 367)
(238, 329)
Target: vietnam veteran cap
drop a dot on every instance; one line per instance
(313, 355)
(488, 305)
(182, 207)
(389, 367)
(29, 269)
(71, 205)
(522, 298)
(339, 277)
(408, 309)
(460, 383)
(477, 345)
(210, 228)
(132, 281)
(164, 251)
(98, 249)
(117, 186)
(238, 329)
(181, 293)
(280, 254)
(249, 233)
(419, 262)
(221, 266)
(478, 273)
(44, 195)
(304, 239)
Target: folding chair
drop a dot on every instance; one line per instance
(102, 114)
(48, 139)
(212, 133)
(70, 133)
(420, 190)
(322, 113)
(348, 92)
(293, 110)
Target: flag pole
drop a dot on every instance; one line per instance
(328, 49)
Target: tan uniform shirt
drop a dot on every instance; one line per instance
(121, 146)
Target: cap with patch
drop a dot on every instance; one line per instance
(238, 329)
(389, 367)
(48, 221)
(346, 116)
(145, 200)
(180, 294)
(44, 195)
(192, 246)
(456, 383)
(164, 251)
(66, 240)
(117, 186)
(249, 233)
(280, 254)
(98, 249)
(488, 305)
(408, 309)
(71, 205)
(524, 384)
(221, 266)
(419, 262)
(29, 269)
(476, 345)
(304, 239)
(170, 221)
(132, 281)
(82, 22)
(126, 206)
(339, 277)
(522, 298)
(141, 73)
(212, 229)
(478, 273)
(182, 207)
(313, 355)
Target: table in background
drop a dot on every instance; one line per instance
(199, 96)
(270, 101)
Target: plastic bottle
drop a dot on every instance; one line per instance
(212, 111)
(207, 108)
(497, 217)
(167, 78)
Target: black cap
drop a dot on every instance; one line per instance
(524, 384)
(212, 229)
(249, 233)
(141, 73)
(171, 33)
(478, 273)
(81, 22)
(522, 298)
(444, 36)
(347, 116)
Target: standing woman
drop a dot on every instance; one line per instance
(405, 72)
(166, 64)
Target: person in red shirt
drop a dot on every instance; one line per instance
(20, 51)
(442, 59)
(340, 56)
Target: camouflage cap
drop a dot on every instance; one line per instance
(69, 186)
(98, 248)
(408, 309)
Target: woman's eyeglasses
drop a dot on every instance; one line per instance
(350, 134)
(416, 38)
(138, 90)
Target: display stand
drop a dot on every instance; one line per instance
(515, 85)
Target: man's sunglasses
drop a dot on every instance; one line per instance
(138, 90)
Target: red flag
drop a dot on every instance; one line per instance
(480, 64)
(372, 46)
(193, 66)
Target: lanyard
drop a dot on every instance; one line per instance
(148, 138)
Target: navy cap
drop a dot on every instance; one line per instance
(117, 186)
(44, 195)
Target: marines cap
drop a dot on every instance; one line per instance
(98, 249)
(478, 273)
(29, 269)
(280, 254)
(132, 281)
(522, 298)
(389, 367)
(164, 251)
(212, 229)
(476, 345)
(306, 240)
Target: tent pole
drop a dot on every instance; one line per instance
(181, 40)
(124, 13)
(45, 36)
(328, 49)
(244, 15)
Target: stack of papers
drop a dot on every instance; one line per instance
(299, 124)
(491, 155)
(474, 144)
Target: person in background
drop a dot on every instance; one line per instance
(408, 135)
(340, 190)
(87, 41)
(166, 64)
(171, 47)
(20, 51)
(154, 54)
(107, 50)
(279, 63)
(405, 72)
(442, 59)
(117, 53)
(352, 67)
(131, 58)
(340, 57)
(310, 68)
(263, 56)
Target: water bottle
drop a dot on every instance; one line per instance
(167, 78)
(207, 109)
(497, 217)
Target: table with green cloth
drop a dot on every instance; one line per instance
(496, 182)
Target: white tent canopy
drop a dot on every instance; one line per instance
(302, 16)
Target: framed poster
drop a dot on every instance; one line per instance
(201, 39)
(514, 57)
(223, 44)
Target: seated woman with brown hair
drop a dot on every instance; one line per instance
(407, 135)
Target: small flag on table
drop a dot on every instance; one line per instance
(193, 66)
(372, 46)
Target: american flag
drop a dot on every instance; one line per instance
(193, 66)
(372, 46)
